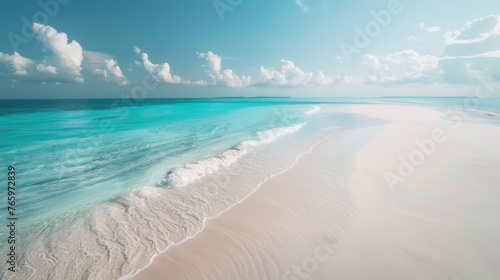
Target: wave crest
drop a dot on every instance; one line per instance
(190, 172)
(313, 110)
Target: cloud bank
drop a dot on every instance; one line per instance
(469, 51)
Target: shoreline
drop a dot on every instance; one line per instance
(247, 242)
(212, 226)
(228, 209)
(125, 233)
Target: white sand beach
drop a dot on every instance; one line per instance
(335, 215)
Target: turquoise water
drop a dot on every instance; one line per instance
(92, 171)
(70, 154)
(78, 161)
(68, 158)
(74, 153)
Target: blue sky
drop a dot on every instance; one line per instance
(107, 49)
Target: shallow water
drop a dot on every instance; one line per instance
(101, 190)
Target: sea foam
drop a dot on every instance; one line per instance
(190, 172)
(313, 110)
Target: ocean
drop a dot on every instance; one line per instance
(103, 186)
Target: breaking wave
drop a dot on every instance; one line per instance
(190, 172)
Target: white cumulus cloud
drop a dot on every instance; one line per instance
(221, 76)
(289, 75)
(112, 72)
(160, 72)
(137, 50)
(49, 69)
(17, 62)
(67, 56)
